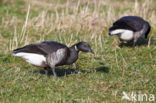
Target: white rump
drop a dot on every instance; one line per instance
(123, 34)
(32, 58)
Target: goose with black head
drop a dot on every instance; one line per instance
(51, 54)
(130, 28)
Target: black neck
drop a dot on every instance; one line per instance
(73, 54)
(74, 48)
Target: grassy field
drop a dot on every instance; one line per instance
(102, 78)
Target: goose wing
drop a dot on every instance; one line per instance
(43, 48)
(133, 23)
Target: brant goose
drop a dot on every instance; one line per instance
(130, 28)
(50, 54)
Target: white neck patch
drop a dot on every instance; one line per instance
(76, 48)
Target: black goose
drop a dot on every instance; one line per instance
(130, 28)
(50, 54)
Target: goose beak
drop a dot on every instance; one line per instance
(91, 51)
(110, 32)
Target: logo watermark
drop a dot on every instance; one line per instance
(139, 96)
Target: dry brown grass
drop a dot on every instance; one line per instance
(84, 18)
(94, 17)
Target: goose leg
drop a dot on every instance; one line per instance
(55, 76)
(51, 62)
(54, 73)
(134, 42)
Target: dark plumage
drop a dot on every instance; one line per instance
(50, 54)
(130, 28)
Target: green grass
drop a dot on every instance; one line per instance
(102, 77)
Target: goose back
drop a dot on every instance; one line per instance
(43, 48)
(133, 23)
